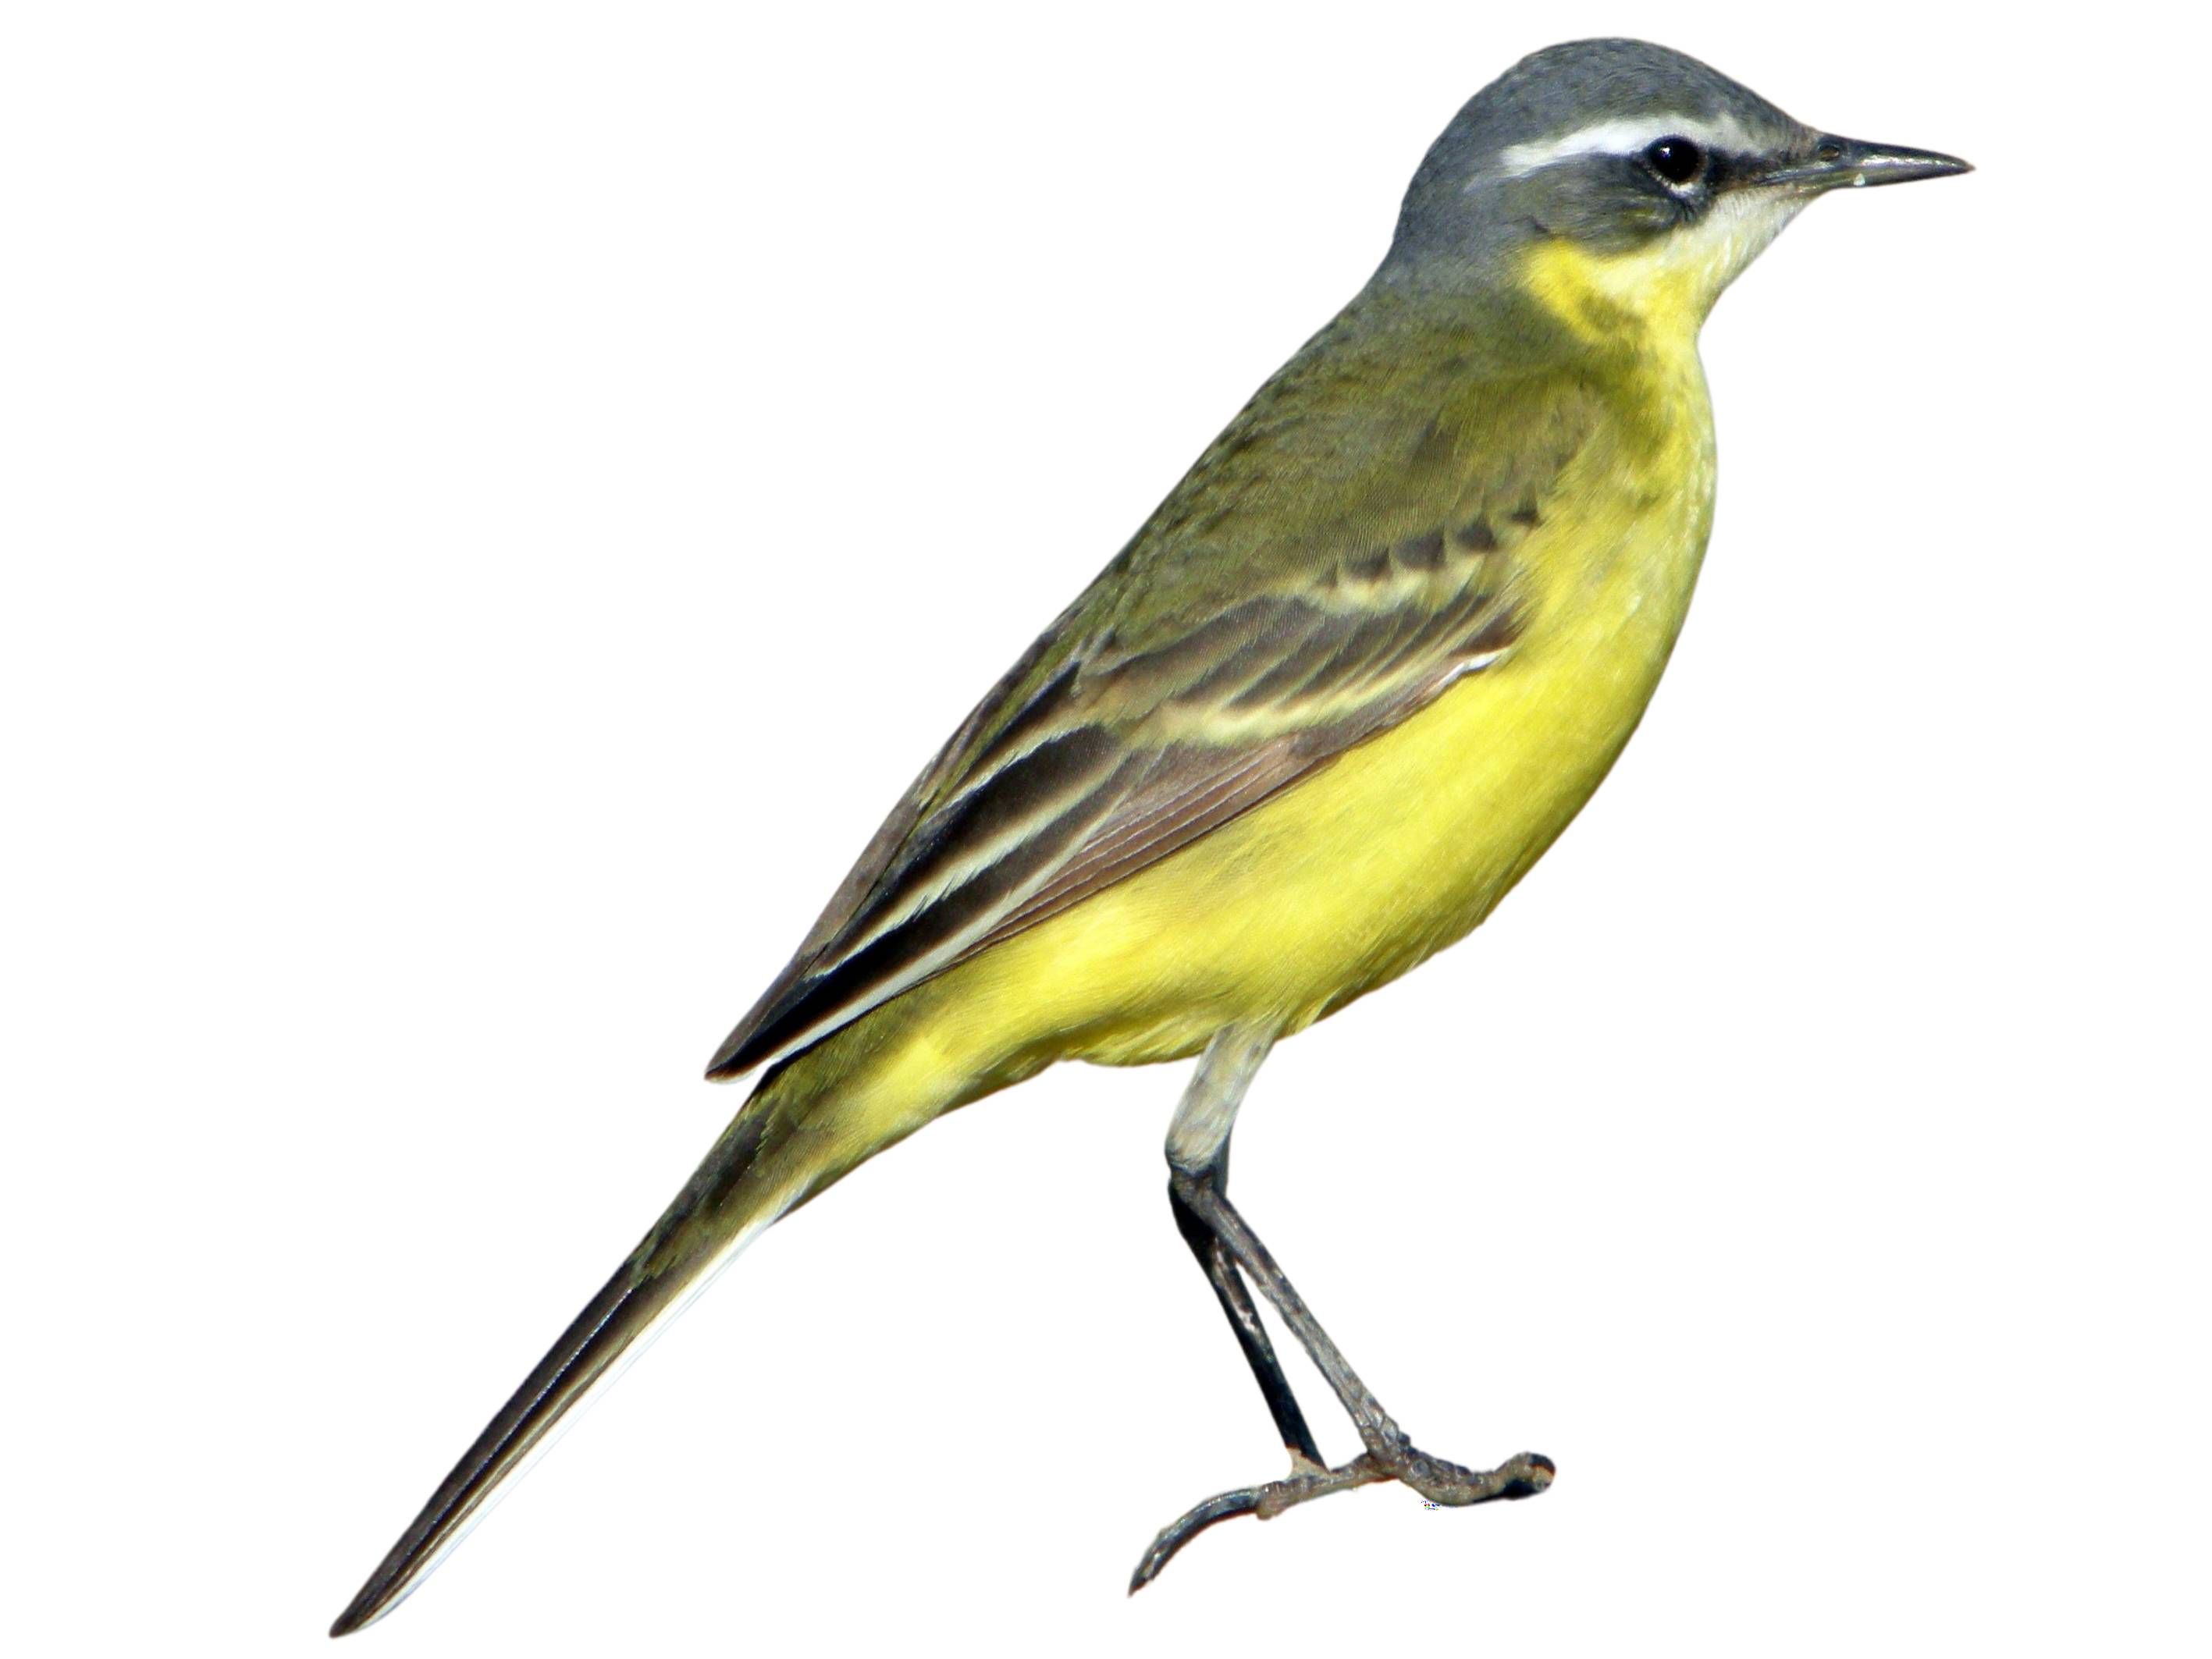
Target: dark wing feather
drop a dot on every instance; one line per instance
(1213, 665)
(1118, 759)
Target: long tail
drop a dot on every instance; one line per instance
(769, 1160)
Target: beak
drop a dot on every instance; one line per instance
(1837, 161)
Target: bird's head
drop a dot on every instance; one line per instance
(1622, 182)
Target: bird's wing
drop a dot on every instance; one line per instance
(1195, 680)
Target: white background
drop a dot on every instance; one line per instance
(499, 500)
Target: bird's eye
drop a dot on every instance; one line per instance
(1677, 161)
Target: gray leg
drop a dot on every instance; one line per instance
(1199, 1138)
(1197, 1156)
(1244, 1319)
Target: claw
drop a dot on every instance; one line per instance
(1223, 1507)
(1522, 1476)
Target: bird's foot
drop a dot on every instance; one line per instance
(1444, 1483)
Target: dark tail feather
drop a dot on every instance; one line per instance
(710, 1221)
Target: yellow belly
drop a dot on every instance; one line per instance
(1345, 881)
(1394, 851)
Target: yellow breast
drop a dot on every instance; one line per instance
(1403, 844)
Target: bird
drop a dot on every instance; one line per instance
(1336, 695)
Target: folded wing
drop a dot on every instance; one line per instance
(1099, 757)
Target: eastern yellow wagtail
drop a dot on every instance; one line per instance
(1343, 688)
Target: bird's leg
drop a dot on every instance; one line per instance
(1244, 1319)
(1199, 1140)
(1198, 1158)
